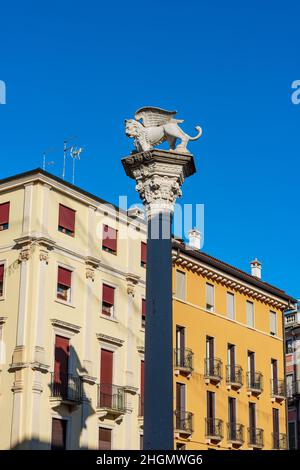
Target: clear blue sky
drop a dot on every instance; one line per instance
(74, 67)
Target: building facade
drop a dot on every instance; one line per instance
(229, 378)
(72, 322)
(71, 318)
(292, 333)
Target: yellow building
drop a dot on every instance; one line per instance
(229, 355)
(71, 333)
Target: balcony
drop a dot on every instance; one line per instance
(213, 429)
(235, 434)
(213, 370)
(254, 383)
(279, 441)
(255, 438)
(66, 389)
(183, 422)
(234, 376)
(292, 319)
(184, 361)
(278, 390)
(111, 402)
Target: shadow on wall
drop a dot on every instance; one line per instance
(69, 402)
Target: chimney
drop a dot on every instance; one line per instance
(256, 268)
(195, 239)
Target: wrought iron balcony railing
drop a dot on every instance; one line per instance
(111, 397)
(213, 368)
(235, 433)
(278, 389)
(234, 375)
(255, 382)
(184, 421)
(184, 359)
(66, 387)
(214, 428)
(279, 441)
(255, 437)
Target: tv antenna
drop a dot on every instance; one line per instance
(66, 148)
(45, 163)
(75, 155)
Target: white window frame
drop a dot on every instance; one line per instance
(185, 285)
(212, 309)
(114, 316)
(273, 315)
(253, 313)
(69, 302)
(230, 295)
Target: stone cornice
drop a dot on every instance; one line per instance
(228, 281)
(109, 339)
(65, 325)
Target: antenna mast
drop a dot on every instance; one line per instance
(75, 155)
(66, 148)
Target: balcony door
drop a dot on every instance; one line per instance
(231, 362)
(275, 416)
(142, 388)
(180, 405)
(251, 367)
(180, 345)
(252, 422)
(211, 413)
(106, 378)
(232, 417)
(61, 366)
(210, 354)
(274, 372)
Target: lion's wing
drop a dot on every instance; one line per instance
(152, 116)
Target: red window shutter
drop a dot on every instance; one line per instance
(109, 239)
(104, 439)
(108, 294)
(66, 218)
(1, 272)
(144, 252)
(4, 213)
(143, 307)
(64, 276)
(61, 359)
(106, 366)
(59, 434)
(142, 379)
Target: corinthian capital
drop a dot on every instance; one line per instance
(159, 175)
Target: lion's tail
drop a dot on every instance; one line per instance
(199, 129)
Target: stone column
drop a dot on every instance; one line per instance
(159, 175)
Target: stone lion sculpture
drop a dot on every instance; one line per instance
(157, 126)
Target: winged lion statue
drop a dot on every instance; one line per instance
(157, 126)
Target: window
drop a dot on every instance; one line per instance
(4, 216)
(210, 301)
(292, 435)
(273, 323)
(106, 378)
(142, 387)
(210, 402)
(230, 305)
(109, 239)
(289, 385)
(250, 314)
(143, 254)
(143, 313)
(289, 346)
(1, 280)
(252, 420)
(180, 285)
(141, 442)
(108, 300)
(64, 280)
(104, 439)
(66, 220)
(232, 411)
(59, 434)
(180, 405)
(61, 366)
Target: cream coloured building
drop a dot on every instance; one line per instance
(71, 317)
